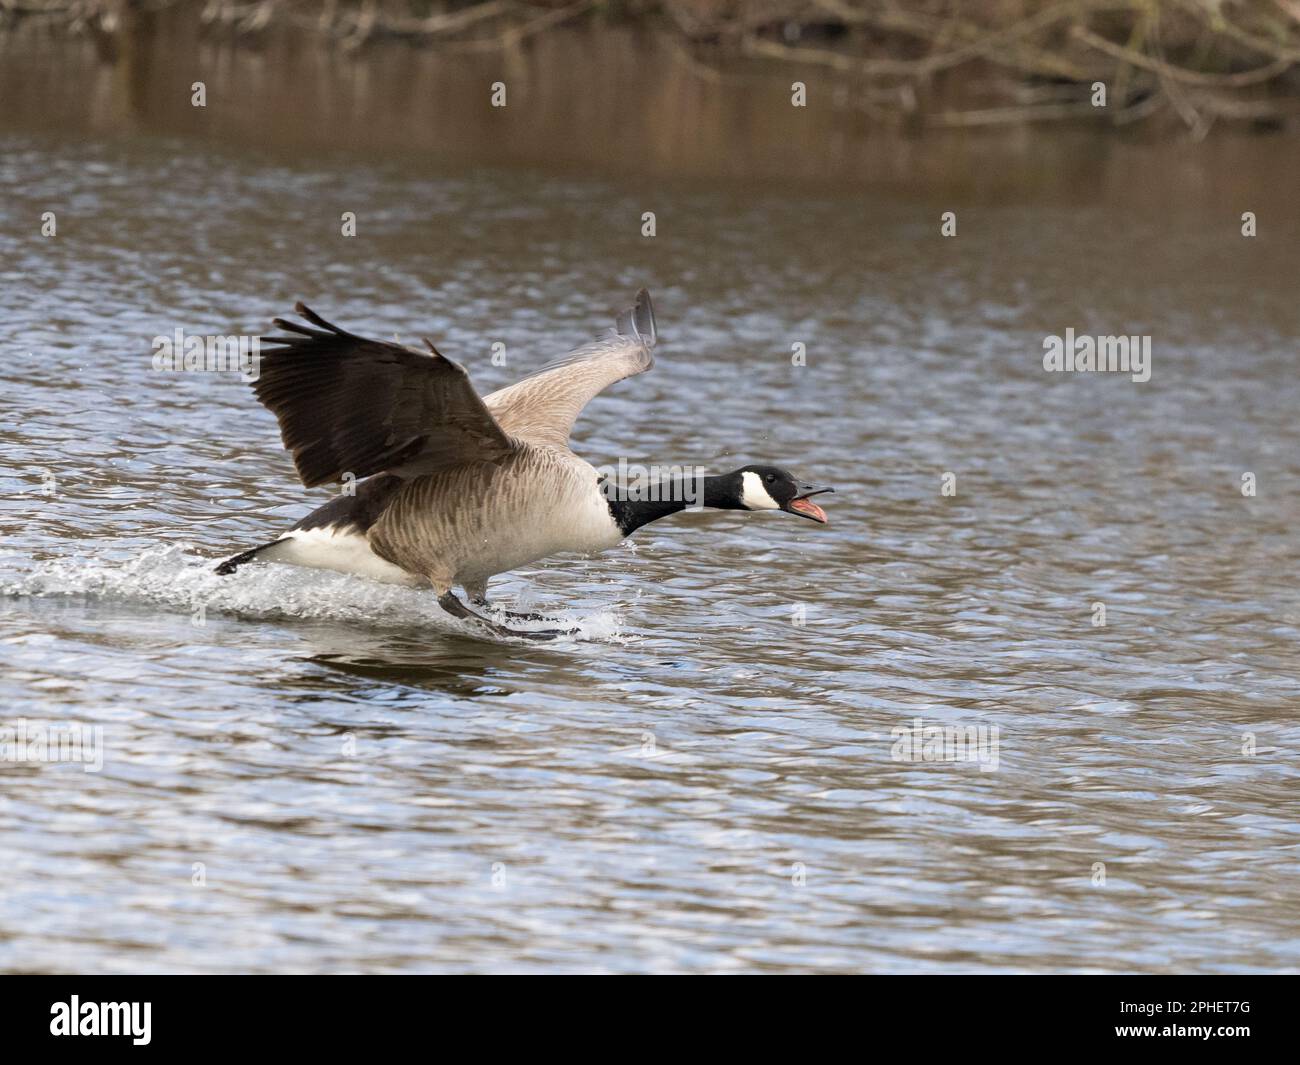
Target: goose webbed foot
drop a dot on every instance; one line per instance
(452, 604)
(514, 615)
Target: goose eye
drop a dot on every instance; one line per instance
(769, 478)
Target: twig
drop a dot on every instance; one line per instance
(1168, 70)
(512, 36)
(987, 46)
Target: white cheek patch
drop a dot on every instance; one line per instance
(754, 495)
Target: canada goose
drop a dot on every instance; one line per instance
(450, 488)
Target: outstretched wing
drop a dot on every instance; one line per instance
(542, 408)
(348, 405)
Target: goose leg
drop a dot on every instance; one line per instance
(452, 604)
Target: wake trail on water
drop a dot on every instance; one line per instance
(174, 577)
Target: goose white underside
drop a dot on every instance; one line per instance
(337, 548)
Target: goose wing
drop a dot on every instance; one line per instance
(349, 405)
(542, 408)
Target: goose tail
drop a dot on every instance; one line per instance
(235, 561)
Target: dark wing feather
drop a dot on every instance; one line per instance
(349, 405)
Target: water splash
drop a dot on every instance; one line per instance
(174, 576)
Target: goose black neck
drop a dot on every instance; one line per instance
(634, 506)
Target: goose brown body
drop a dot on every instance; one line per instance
(448, 525)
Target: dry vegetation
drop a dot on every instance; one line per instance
(1183, 64)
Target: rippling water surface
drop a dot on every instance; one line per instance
(698, 782)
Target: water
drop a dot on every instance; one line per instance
(695, 782)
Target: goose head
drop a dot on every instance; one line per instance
(772, 488)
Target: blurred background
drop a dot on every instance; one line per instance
(950, 95)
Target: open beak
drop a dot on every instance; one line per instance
(804, 506)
